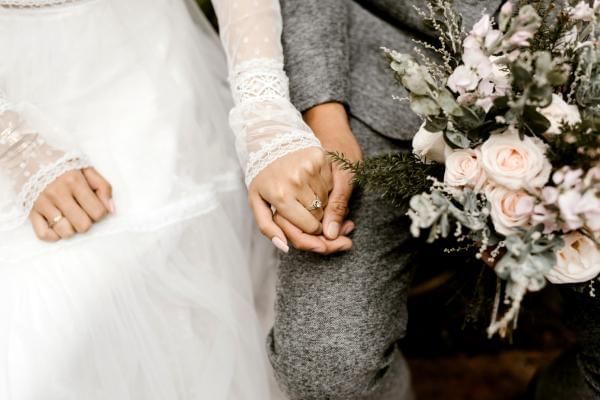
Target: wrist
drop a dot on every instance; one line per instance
(331, 125)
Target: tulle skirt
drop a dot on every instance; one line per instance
(154, 303)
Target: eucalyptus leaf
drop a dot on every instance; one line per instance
(423, 105)
(456, 139)
(436, 124)
(448, 103)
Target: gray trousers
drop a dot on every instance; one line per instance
(339, 318)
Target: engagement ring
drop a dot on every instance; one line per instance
(316, 205)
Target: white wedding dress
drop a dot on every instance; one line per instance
(156, 301)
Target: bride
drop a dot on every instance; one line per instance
(115, 146)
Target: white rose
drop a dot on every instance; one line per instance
(430, 146)
(510, 209)
(517, 164)
(463, 79)
(463, 169)
(559, 111)
(578, 261)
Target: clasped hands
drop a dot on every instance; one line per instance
(291, 184)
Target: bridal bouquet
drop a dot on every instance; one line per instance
(507, 159)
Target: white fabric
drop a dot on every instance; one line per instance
(155, 302)
(30, 163)
(266, 124)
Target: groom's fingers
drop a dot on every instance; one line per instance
(315, 244)
(264, 219)
(337, 209)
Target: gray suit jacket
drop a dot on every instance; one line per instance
(333, 53)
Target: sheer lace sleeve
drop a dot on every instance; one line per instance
(28, 163)
(266, 124)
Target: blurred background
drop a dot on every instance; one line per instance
(447, 346)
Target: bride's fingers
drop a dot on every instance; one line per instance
(54, 217)
(298, 215)
(308, 198)
(64, 229)
(320, 189)
(75, 214)
(315, 244)
(264, 219)
(102, 188)
(41, 228)
(89, 201)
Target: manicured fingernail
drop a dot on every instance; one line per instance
(111, 206)
(280, 244)
(333, 230)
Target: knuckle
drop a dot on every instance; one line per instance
(98, 214)
(339, 207)
(279, 196)
(263, 227)
(83, 226)
(52, 192)
(71, 178)
(47, 236)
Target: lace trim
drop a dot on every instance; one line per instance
(45, 176)
(259, 79)
(275, 149)
(33, 3)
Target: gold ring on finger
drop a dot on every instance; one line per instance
(56, 220)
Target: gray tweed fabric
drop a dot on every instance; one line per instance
(339, 318)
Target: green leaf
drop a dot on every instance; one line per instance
(436, 124)
(472, 118)
(521, 77)
(535, 123)
(423, 105)
(457, 140)
(448, 103)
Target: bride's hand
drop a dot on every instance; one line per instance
(71, 204)
(290, 185)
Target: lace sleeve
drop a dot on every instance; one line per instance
(29, 163)
(266, 124)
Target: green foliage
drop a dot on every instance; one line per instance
(578, 147)
(397, 177)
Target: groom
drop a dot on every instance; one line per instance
(339, 318)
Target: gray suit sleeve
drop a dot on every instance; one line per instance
(315, 38)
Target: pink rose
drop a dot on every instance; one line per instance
(463, 169)
(510, 209)
(515, 163)
(578, 261)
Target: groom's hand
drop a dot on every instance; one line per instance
(331, 125)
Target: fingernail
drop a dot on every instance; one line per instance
(333, 230)
(348, 230)
(111, 206)
(280, 244)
